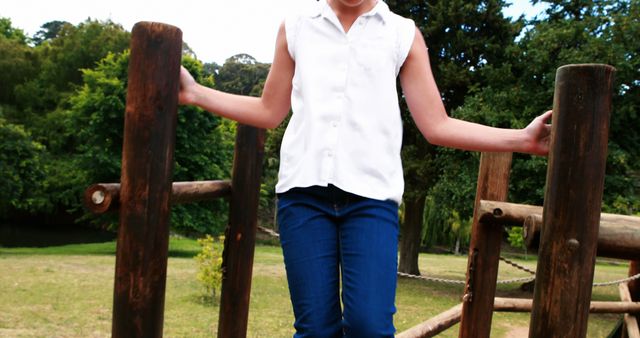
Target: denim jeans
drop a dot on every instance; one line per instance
(327, 233)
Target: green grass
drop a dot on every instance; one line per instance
(66, 291)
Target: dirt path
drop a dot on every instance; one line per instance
(518, 332)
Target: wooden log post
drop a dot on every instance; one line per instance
(573, 198)
(239, 243)
(634, 285)
(484, 250)
(147, 166)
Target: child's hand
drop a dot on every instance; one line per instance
(539, 134)
(187, 87)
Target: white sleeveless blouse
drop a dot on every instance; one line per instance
(346, 128)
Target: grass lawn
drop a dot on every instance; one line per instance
(67, 292)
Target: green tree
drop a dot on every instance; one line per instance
(16, 61)
(202, 151)
(60, 61)
(49, 31)
(242, 74)
(21, 167)
(463, 38)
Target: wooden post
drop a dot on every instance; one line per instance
(484, 250)
(634, 285)
(575, 180)
(147, 165)
(239, 243)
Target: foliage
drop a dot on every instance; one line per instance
(59, 60)
(242, 74)
(16, 60)
(463, 38)
(513, 87)
(515, 237)
(209, 262)
(202, 151)
(21, 167)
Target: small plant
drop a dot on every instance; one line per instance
(209, 262)
(515, 238)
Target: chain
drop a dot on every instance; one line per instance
(619, 281)
(458, 282)
(432, 279)
(517, 266)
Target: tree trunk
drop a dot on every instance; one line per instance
(411, 235)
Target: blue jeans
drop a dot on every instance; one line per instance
(327, 233)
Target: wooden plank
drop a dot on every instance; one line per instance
(240, 237)
(105, 197)
(147, 165)
(573, 198)
(484, 249)
(435, 325)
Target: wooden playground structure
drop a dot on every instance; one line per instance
(570, 230)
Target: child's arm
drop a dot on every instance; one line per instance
(429, 114)
(264, 112)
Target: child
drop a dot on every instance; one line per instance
(340, 180)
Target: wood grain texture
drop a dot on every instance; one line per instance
(573, 198)
(147, 166)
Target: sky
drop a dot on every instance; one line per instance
(214, 29)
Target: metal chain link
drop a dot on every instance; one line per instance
(458, 282)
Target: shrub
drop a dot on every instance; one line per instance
(209, 262)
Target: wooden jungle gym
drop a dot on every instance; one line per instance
(570, 230)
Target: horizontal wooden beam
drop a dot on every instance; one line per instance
(451, 317)
(524, 305)
(105, 197)
(435, 325)
(618, 236)
(514, 214)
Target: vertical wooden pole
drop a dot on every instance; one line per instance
(573, 198)
(484, 250)
(634, 295)
(147, 165)
(634, 285)
(240, 238)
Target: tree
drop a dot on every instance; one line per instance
(21, 167)
(60, 61)
(202, 151)
(49, 31)
(463, 38)
(16, 61)
(522, 86)
(242, 74)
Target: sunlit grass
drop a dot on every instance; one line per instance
(66, 291)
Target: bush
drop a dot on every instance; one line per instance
(209, 262)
